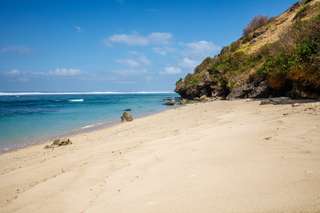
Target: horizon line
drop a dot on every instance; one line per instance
(81, 93)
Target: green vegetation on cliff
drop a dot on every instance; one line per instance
(275, 57)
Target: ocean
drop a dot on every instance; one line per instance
(34, 117)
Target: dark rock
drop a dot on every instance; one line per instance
(277, 101)
(304, 91)
(126, 116)
(65, 142)
(170, 102)
(204, 98)
(256, 88)
(127, 110)
(58, 143)
(184, 101)
(286, 100)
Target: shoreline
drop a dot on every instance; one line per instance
(103, 125)
(234, 155)
(93, 127)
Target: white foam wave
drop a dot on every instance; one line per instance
(76, 100)
(91, 126)
(88, 126)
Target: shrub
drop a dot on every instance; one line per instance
(179, 81)
(305, 50)
(256, 23)
(295, 56)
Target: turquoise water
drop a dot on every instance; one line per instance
(27, 119)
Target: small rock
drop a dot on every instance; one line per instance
(169, 102)
(65, 142)
(204, 98)
(58, 142)
(126, 116)
(127, 110)
(48, 147)
(276, 101)
(295, 105)
(183, 101)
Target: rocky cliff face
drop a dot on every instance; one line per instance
(278, 57)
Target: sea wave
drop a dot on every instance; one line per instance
(88, 126)
(76, 100)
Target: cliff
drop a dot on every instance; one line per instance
(279, 56)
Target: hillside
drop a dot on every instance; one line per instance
(279, 56)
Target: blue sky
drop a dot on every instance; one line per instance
(115, 45)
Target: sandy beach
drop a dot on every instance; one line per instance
(222, 156)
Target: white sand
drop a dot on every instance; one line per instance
(213, 157)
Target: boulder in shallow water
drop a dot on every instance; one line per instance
(126, 116)
(169, 102)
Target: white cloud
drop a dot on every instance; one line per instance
(144, 60)
(66, 72)
(160, 38)
(78, 29)
(138, 61)
(185, 64)
(171, 70)
(129, 62)
(192, 55)
(130, 72)
(188, 62)
(17, 75)
(163, 50)
(133, 39)
(15, 49)
(201, 48)
(155, 38)
(13, 73)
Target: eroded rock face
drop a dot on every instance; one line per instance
(204, 85)
(126, 117)
(257, 88)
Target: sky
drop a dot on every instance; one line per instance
(116, 45)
